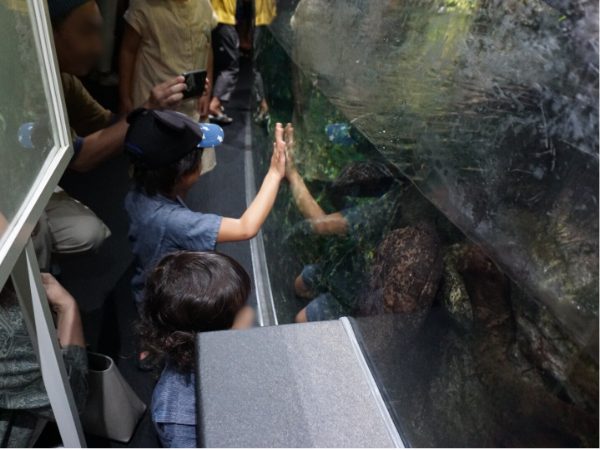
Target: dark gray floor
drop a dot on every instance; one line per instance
(100, 282)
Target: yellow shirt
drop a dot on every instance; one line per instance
(225, 11)
(176, 38)
(265, 12)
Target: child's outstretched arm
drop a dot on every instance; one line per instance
(127, 57)
(305, 202)
(247, 226)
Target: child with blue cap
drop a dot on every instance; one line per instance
(166, 149)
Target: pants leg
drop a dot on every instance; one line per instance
(259, 87)
(42, 242)
(226, 49)
(74, 228)
(108, 9)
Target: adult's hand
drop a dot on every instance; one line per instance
(204, 101)
(59, 298)
(166, 95)
(68, 321)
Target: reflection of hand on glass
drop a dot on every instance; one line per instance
(290, 143)
(68, 320)
(321, 222)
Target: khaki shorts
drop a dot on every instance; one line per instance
(66, 226)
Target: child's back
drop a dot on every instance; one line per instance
(159, 225)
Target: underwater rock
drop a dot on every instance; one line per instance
(406, 272)
(528, 410)
(454, 295)
(543, 340)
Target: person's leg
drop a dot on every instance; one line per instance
(226, 65)
(324, 307)
(259, 87)
(306, 284)
(42, 242)
(108, 9)
(73, 226)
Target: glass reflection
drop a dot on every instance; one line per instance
(25, 130)
(443, 192)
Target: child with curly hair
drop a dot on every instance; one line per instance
(188, 293)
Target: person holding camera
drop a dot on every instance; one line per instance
(163, 38)
(68, 226)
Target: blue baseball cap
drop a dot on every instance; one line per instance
(159, 138)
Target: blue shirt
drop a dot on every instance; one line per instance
(174, 408)
(158, 226)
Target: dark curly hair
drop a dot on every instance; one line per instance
(164, 179)
(187, 293)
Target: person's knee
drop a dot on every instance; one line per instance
(87, 234)
(301, 316)
(91, 233)
(301, 289)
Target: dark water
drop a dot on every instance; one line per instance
(489, 113)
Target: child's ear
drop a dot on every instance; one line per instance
(244, 318)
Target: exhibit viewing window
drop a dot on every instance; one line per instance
(35, 149)
(452, 148)
(32, 141)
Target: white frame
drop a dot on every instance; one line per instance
(17, 255)
(19, 231)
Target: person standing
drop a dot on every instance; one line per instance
(163, 39)
(226, 49)
(264, 13)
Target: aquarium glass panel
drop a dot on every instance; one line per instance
(443, 192)
(27, 137)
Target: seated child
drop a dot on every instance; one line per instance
(166, 148)
(187, 293)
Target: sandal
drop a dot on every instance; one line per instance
(220, 119)
(262, 118)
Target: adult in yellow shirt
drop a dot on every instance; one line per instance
(226, 50)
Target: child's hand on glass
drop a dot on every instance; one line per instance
(279, 153)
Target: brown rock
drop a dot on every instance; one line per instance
(406, 272)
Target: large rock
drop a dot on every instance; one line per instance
(406, 272)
